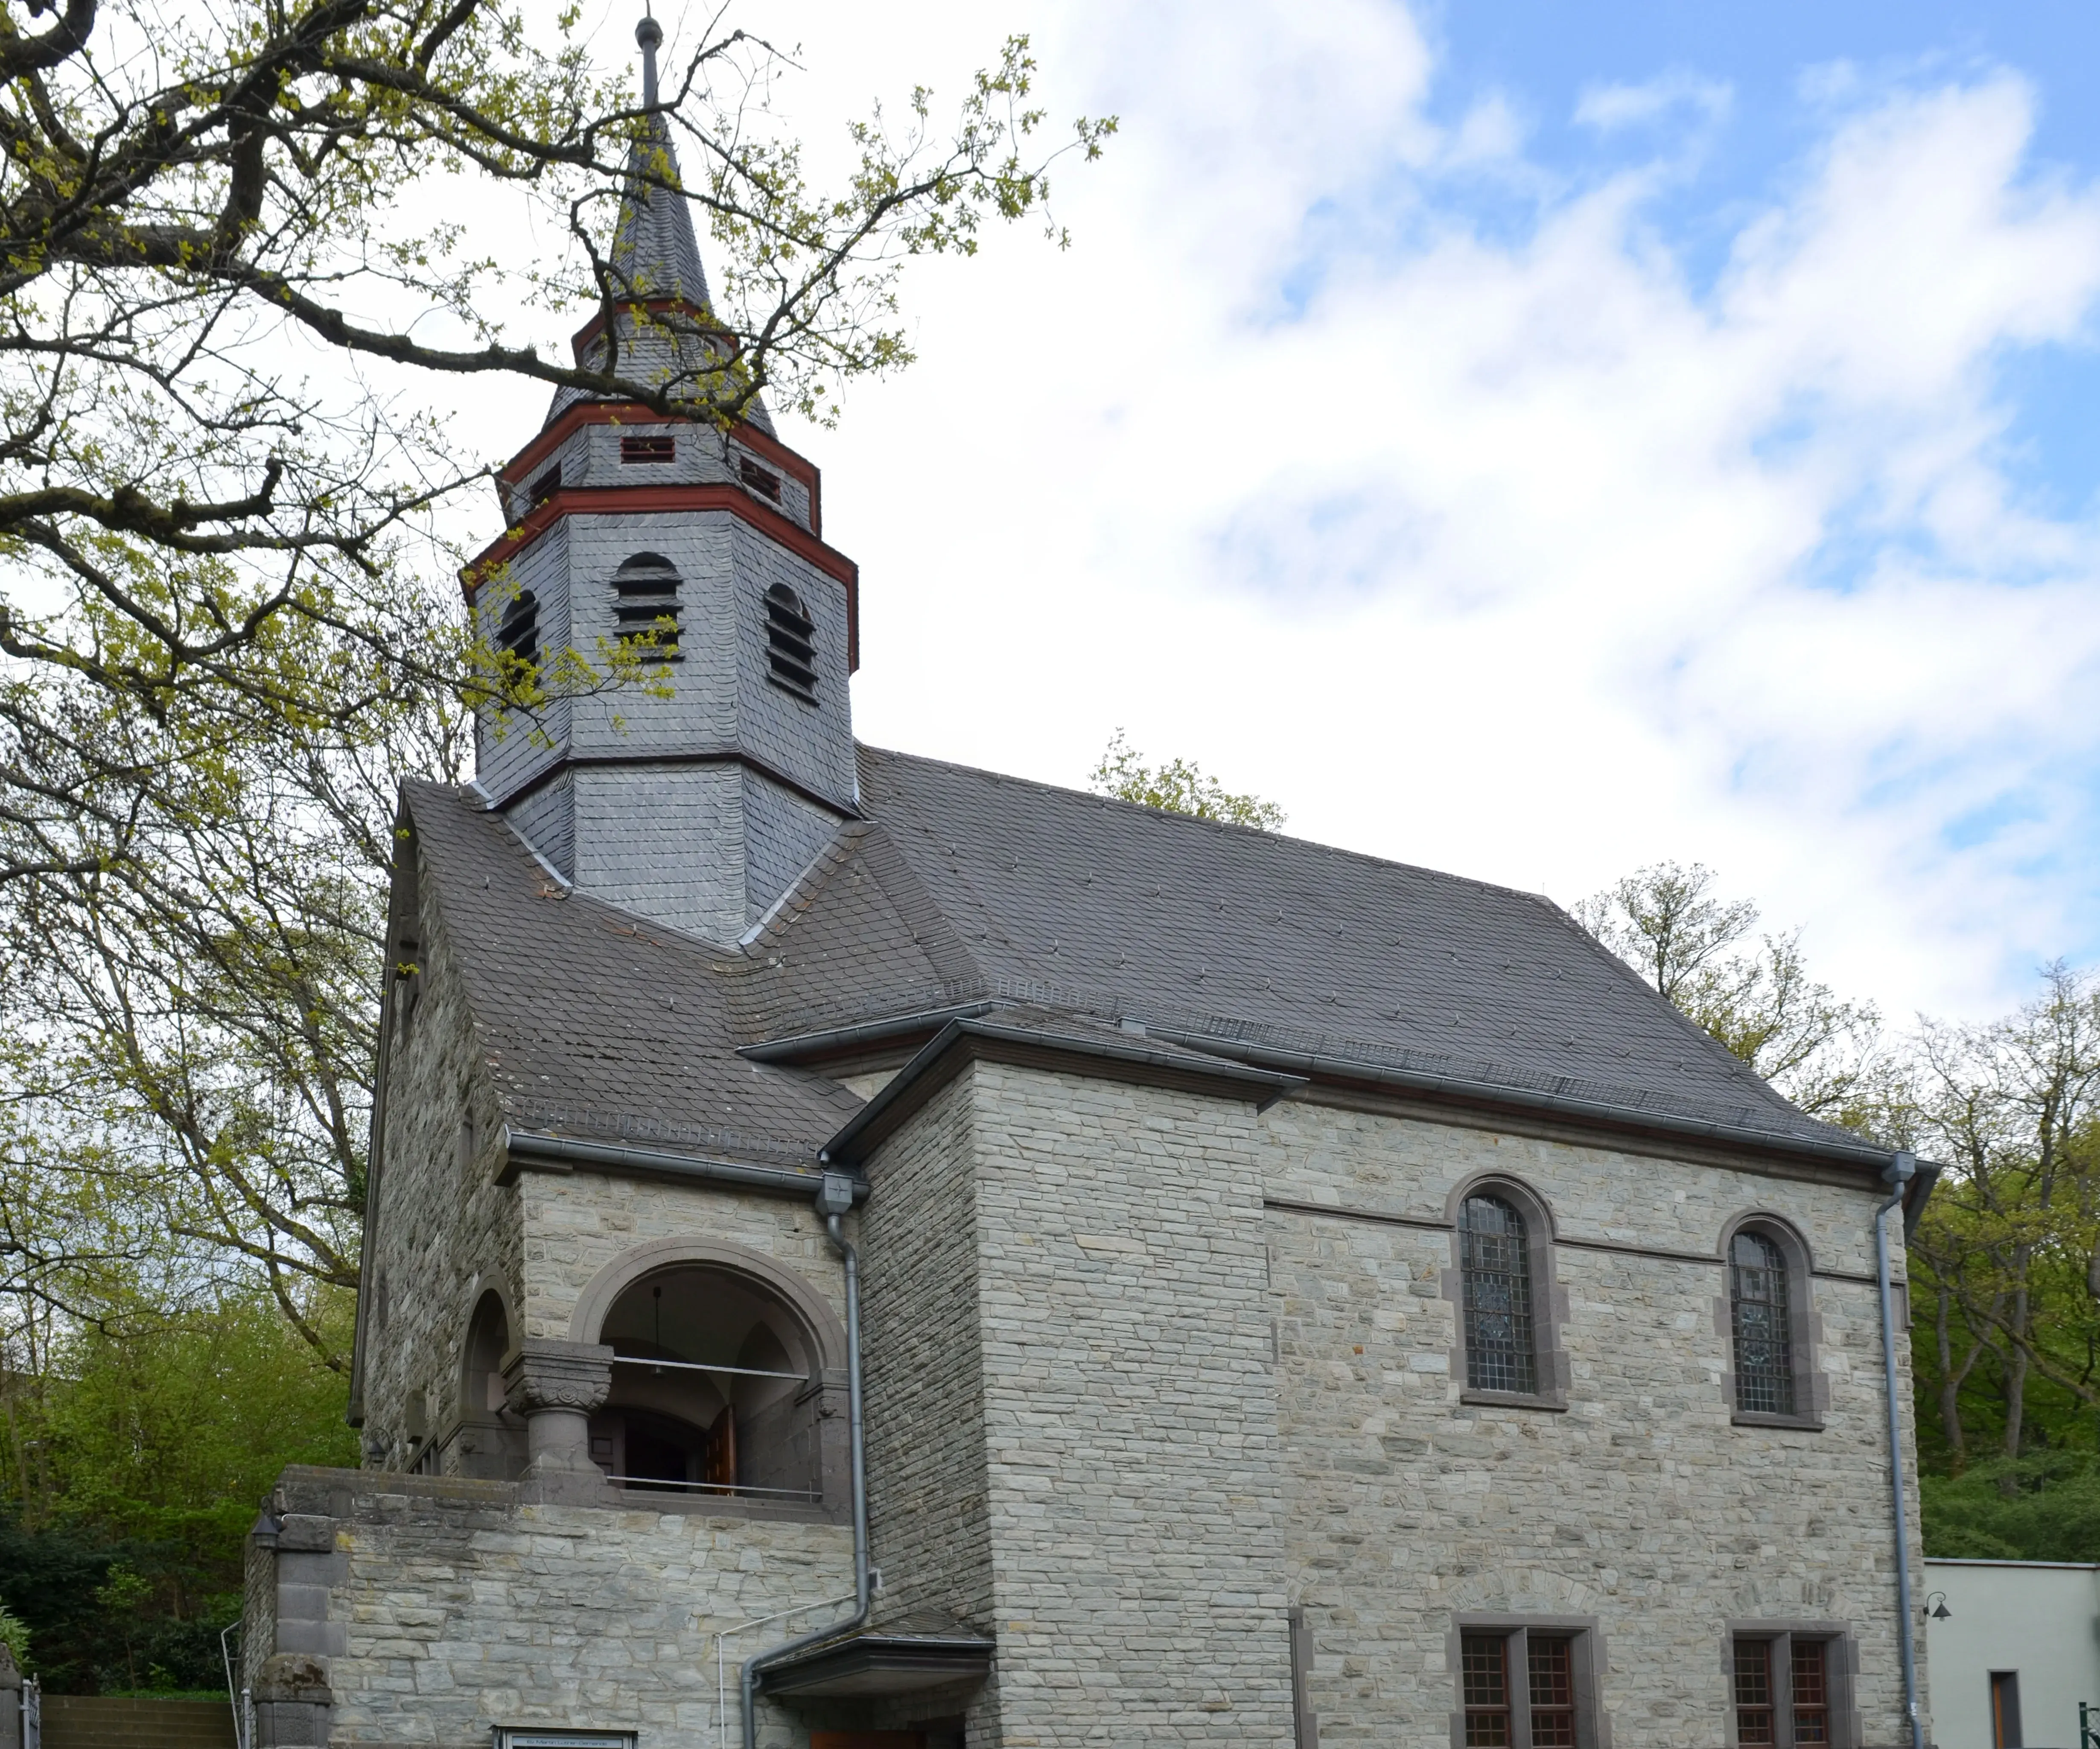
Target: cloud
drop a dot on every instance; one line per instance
(1609, 108)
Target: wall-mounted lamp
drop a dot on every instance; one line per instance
(1935, 1607)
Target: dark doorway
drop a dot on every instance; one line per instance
(2006, 1709)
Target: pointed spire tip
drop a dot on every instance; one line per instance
(649, 33)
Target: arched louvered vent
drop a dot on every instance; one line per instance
(648, 590)
(791, 643)
(518, 631)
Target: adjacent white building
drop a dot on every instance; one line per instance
(2017, 1651)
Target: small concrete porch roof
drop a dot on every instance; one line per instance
(916, 1651)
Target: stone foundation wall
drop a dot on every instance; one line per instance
(423, 1611)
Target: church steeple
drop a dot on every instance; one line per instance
(663, 333)
(699, 808)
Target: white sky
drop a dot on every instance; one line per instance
(1392, 472)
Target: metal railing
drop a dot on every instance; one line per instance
(237, 1697)
(712, 1487)
(33, 1712)
(703, 1366)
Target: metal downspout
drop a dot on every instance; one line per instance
(832, 1201)
(1901, 1167)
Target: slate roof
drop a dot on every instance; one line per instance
(595, 1021)
(1061, 912)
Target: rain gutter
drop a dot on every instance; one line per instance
(530, 1149)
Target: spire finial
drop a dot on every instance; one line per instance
(648, 33)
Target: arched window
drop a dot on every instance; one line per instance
(1502, 1347)
(647, 586)
(791, 643)
(518, 632)
(1757, 1289)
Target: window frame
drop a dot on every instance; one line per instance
(1840, 1667)
(1549, 1301)
(1586, 1666)
(1811, 1387)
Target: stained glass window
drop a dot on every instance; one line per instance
(1496, 1267)
(1764, 1352)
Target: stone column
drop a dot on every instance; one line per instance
(555, 1385)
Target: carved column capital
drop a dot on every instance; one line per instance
(555, 1385)
(540, 1374)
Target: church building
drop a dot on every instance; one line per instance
(867, 1253)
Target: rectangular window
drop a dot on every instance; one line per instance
(1812, 1691)
(1552, 1693)
(760, 480)
(2006, 1709)
(1789, 1687)
(644, 449)
(1485, 1661)
(546, 485)
(1754, 1717)
(1524, 1687)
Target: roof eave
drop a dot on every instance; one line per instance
(963, 1041)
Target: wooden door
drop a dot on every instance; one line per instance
(718, 1459)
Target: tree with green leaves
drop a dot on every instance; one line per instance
(197, 202)
(1178, 786)
(1667, 922)
(227, 627)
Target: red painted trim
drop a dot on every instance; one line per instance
(788, 462)
(603, 501)
(515, 471)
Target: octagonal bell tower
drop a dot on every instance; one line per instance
(697, 808)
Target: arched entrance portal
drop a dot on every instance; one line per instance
(717, 1387)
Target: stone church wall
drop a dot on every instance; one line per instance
(443, 1233)
(1641, 1507)
(1134, 1487)
(441, 1607)
(1200, 1405)
(928, 1489)
(576, 1223)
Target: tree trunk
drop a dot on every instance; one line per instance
(2016, 1369)
(1950, 1388)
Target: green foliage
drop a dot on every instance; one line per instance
(1665, 922)
(2005, 1266)
(15, 1636)
(2043, 1507)
(135, 1461)
(1178, 787)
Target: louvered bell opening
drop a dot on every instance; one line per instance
(518, 632)
(791, 643)
(645, 590)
